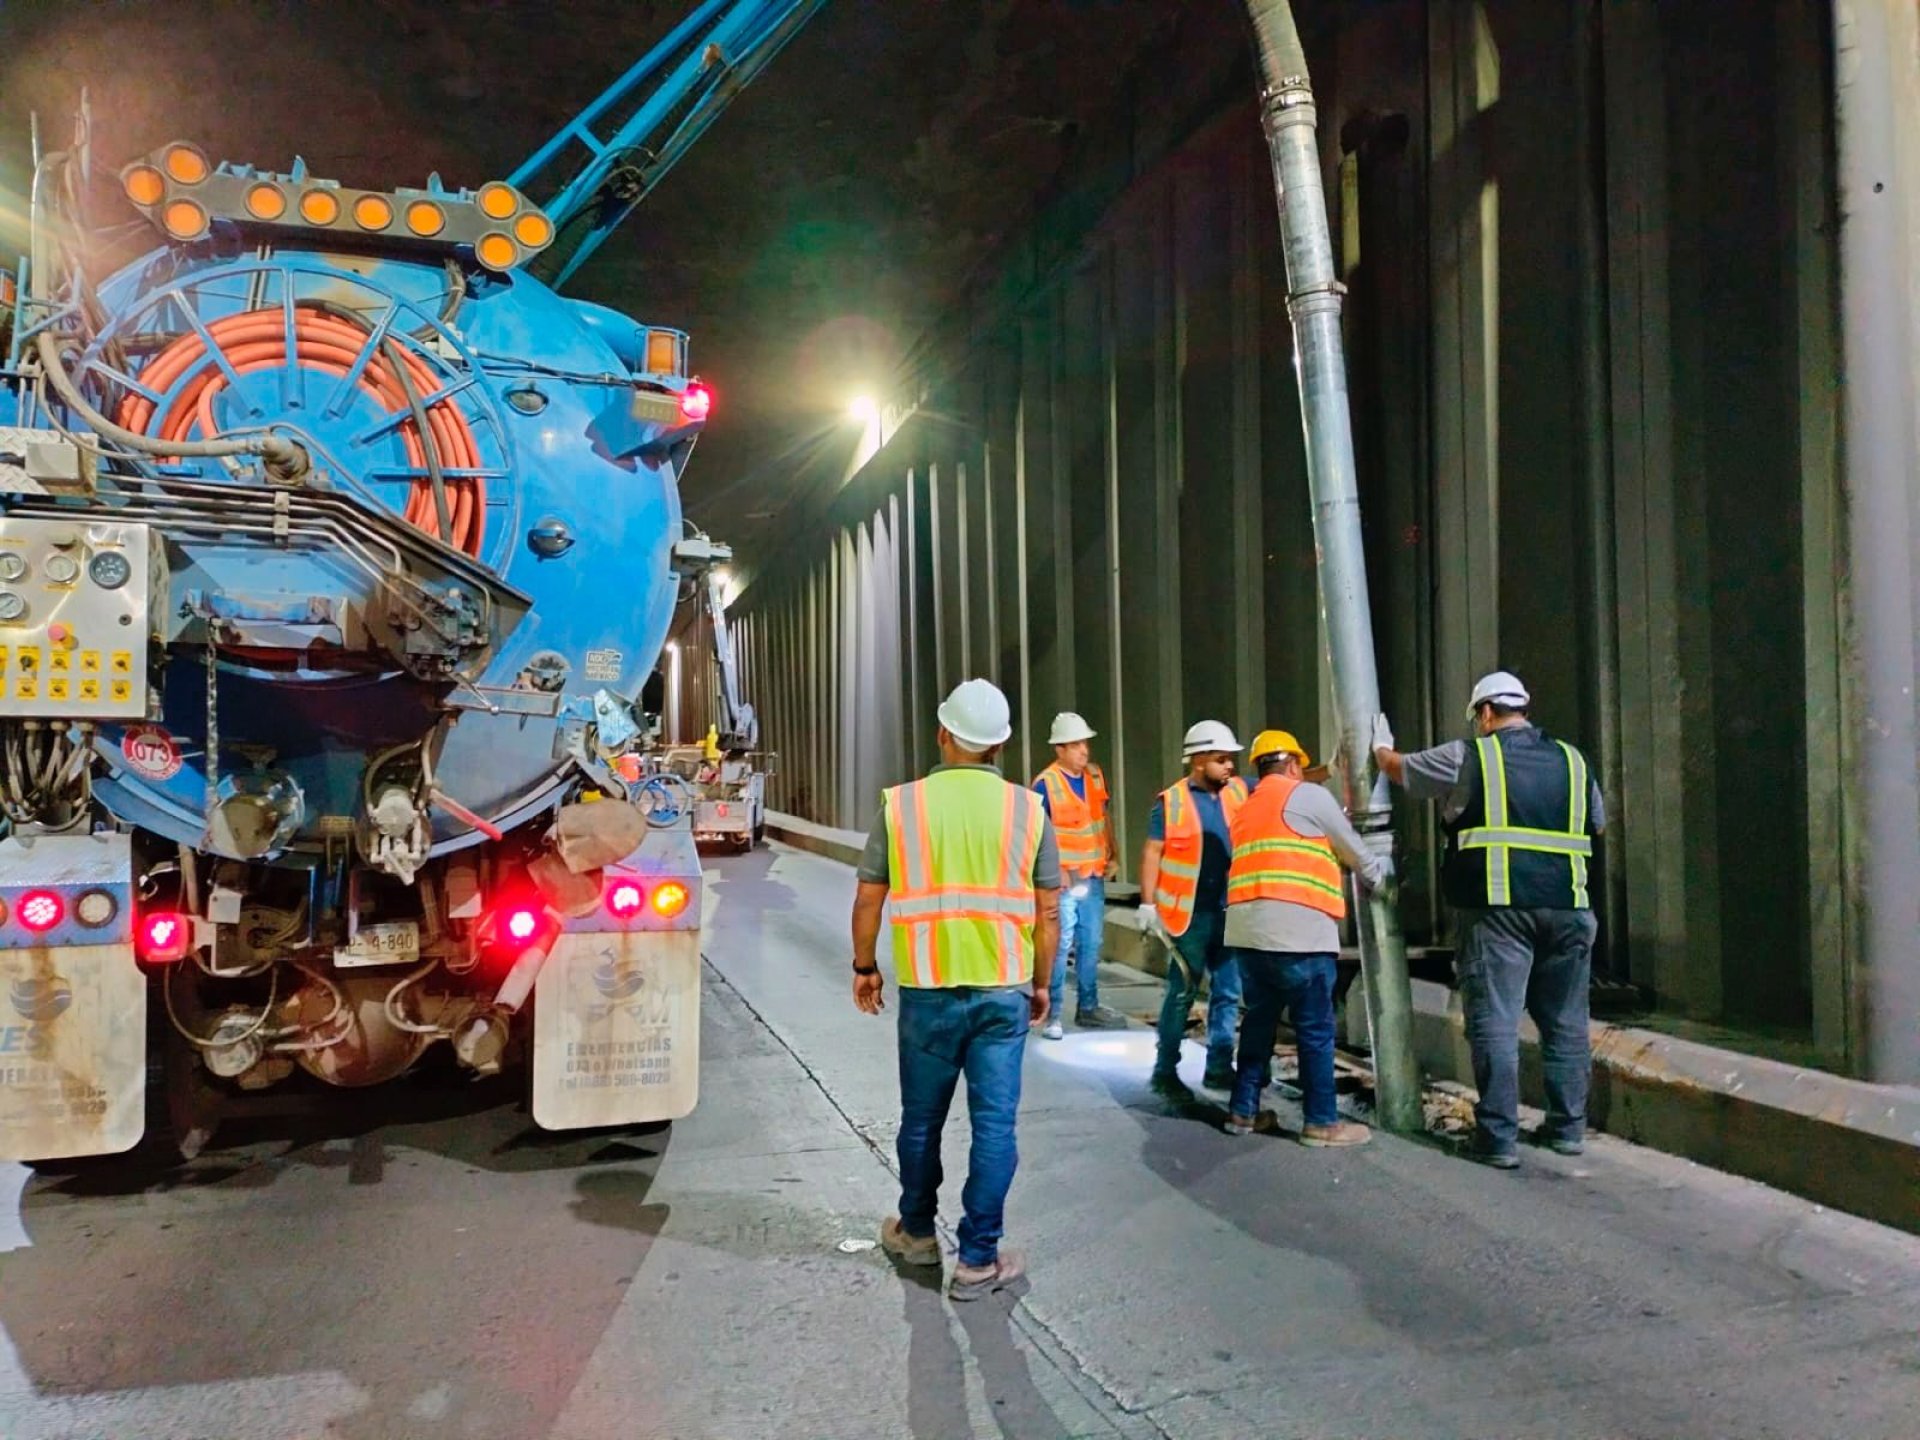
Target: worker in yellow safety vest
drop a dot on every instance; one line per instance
(1183, 888)
(1074, 792)
(1284, 906)
(967, 864)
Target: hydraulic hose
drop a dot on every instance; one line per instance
(283, 456)
(437, 437)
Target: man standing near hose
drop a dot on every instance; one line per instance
(1520, 811)
(1183, 885)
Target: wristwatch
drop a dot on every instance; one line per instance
(860, 969)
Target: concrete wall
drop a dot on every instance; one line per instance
(1592, 340)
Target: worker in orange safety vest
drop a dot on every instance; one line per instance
(1074, 792)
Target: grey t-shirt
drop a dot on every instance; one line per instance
(1441, 774)
(1283, 926)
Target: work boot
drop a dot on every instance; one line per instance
(976, 1282)
(1481, 1153)
(908, 1249)
(1219, 1075)
(1559, 1144)
(1099, 1017)
(1337, 1135)
(1265, 1123)
(1169, 1086)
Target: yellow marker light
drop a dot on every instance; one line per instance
(144, 185)
(371, 212)
(319, 207)
(186, 164)
(663, 352)
(426, 218)
(498, 201)
(533, 230)
(497, 251)
(266, 202)
(185, 220)
(670, 899)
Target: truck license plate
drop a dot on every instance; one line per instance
(396, 942)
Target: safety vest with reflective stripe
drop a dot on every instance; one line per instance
(1183, 844)
(1273, 861)
(1523, 838)
(960, 851)
(1080, 826)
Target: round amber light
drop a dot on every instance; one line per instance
(266, 202)
(186, 164)
(426, 218)
(319, 207)
(497, 251)
(533, 230)
(185, 220)
(498, 201)
(145, 185)
(371, 212)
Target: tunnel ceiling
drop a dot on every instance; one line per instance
(808, 239)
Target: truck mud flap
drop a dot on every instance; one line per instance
(73, 1052)
(616, 1029)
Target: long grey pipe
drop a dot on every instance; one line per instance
(1877, 97)
(1314, 299)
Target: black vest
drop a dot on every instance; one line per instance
(1534, 856)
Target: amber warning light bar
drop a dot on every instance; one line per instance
(185, 196)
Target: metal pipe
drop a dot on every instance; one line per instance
(1314, 298)
(1877, 105)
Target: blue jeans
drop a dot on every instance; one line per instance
(1540, 961)
(1302, 985)
(1205, 954)
(1083, 918)
(944, 1034)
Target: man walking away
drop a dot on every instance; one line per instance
(969, 862)
(1183, 882)
(1074, 792)
(1284, 907)
(1520, 811)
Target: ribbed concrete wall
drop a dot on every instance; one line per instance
(1591, 331)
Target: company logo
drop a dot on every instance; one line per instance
(618, 979)
(38, 999)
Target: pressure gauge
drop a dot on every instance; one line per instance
(62, 569)
(110, 569)
(12, 567)
(12, 607)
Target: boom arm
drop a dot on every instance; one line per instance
(715, 53)
(739, 726)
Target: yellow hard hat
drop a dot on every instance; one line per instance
(1276, 742)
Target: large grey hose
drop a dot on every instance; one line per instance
(286, 459)
(1314, 296)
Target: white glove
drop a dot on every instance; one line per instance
(1382, 734)
(1151, 923)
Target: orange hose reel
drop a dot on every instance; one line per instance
(329, 345)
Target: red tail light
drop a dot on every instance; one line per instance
(696, 401)
(625, 899)
(40, 910)
(522, 924)
(165, 936)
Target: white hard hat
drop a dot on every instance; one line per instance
(1207, 737)
(1502, 688)
(1069, 727)
(976, 715)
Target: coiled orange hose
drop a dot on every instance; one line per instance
(328, 345)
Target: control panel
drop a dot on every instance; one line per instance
(76, 608)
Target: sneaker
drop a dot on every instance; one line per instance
(1099, 1017)
(1237, 1125)
(1337, 1135)
(1481, 1154)
(1218, 1078)
(1170, 1087)
(1567, 1145)
(1055, 1030)
(908, 1249)
(976, 1282)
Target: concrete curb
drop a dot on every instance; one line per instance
(845, 846)
(1835, 1141)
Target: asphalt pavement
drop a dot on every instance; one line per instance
(455, 1272)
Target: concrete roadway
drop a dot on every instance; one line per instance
(457, 1273)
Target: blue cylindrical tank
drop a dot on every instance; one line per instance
(580, 526)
